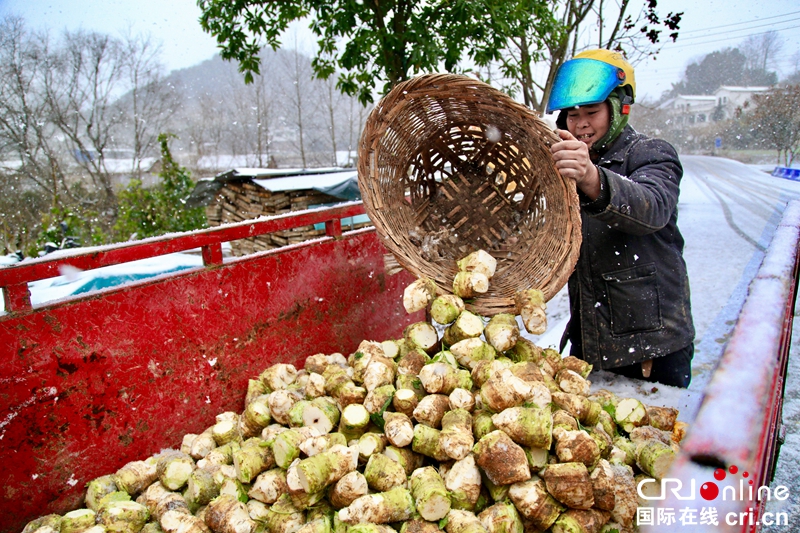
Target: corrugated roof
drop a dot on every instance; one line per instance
(336, 182)
(307, 181)
(241, 173)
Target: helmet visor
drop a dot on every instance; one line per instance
(583, 82)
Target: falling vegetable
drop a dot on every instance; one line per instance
(470, 284)
(531, 307)
(446, 308)
(418, 295)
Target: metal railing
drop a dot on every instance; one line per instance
(14, 279)
(725, 465)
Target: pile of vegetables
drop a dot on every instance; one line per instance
(476, 430)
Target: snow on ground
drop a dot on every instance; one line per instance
(728, 213)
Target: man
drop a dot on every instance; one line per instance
(629, 293)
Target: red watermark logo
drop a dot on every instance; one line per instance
(745, 490)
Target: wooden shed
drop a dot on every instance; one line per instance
(247, 193)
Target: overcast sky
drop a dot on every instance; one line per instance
(707, 25)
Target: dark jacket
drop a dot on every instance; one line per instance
(629, 293)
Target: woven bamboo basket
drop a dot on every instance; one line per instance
(448, 165)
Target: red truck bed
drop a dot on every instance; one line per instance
(91, 383)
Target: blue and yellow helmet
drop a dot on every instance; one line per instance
(589, 78)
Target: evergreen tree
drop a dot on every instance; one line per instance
(148, 212)
(722, 67)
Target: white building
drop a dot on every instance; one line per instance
(724, 103)
(731, 98)
(691, 109)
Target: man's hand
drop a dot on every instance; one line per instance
(572, 161)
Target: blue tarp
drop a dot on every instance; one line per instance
(336, 182)
(343, 185)
(787, 172)
(113, 280)
(72, 281)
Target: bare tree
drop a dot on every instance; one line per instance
(573, 14)
(541, 45)
(252, 108)
(211, 131)
(63, 106)
(762, 50)
(150, 103)
(32, 180)
(234, 110)
(776, 121)
(331, 99)
(262, 117)
(296, 92)
(539, 41)
(82, 82)
(194, 133)
(355, 116)
(26, 135)
(794, 69)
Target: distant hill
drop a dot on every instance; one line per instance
(222, 118)
(208, 76)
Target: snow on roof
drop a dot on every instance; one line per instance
(698, 98)
(306, 181)
(334, 181)
(240, 173)
(734, 89)
(666, 104)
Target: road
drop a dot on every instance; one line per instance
(727, 213)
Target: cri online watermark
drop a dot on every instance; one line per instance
(650, 489)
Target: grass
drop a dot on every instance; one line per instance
(750, 157)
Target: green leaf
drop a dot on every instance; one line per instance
(157, 210)
(386, 41)
(377, 418)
